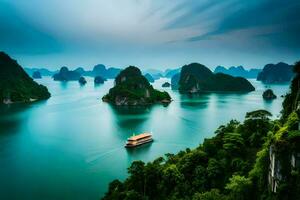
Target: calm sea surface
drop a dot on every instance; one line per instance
(71, 146)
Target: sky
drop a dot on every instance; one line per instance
(157, 34)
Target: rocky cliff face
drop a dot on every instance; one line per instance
(274, 176)
(284, 163)
(132, 88)
(284, 148)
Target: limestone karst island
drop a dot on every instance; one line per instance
(149, 100)
(132, 88)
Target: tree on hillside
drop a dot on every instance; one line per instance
(291, 101)
(239, 187)
(296, 68)
(260, 114)
(256, 127)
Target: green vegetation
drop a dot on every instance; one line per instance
(16, 85)
(132, 88)
(234, 164)
(198, 78)
(290, 102)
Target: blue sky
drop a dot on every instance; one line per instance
(150, 33)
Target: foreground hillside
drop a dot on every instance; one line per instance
(256, 159)
(16, 85)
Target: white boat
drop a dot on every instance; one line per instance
(138, 140)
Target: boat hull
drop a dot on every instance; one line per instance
(138, 144)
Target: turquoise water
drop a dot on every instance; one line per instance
(71, 146)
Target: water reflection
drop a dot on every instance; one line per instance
(142, 152)
(97, 85)
(130, 110)
(199, 101)
(9, 126)
(81, 85)
(11, 109)
(130, 124)
(139, 150)
(63, 84)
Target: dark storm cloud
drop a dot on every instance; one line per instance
(193, 11)
(281, 17)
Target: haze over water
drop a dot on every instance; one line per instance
(72, 146)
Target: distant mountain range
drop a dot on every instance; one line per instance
(42, 71)
(169, 73)
(149, 78)
(238, 71)
(157, 74)
(271, 73)
(154, 73)
(65, 74)
(98, 70)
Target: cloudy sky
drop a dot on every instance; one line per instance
(150, 33)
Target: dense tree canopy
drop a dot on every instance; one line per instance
(291, 100)
(296, 68)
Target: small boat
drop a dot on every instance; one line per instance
(138, 140)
